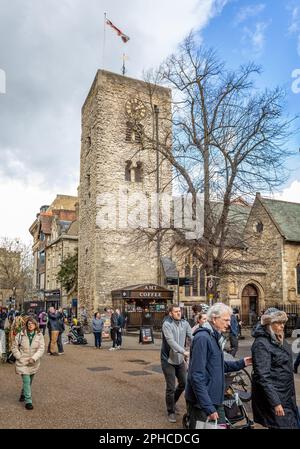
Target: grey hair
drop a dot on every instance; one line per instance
(217, 310)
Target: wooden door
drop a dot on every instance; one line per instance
(249, 294)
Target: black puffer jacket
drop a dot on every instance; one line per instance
(273, 381)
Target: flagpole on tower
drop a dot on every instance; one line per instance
(104, 36)
(123, 66)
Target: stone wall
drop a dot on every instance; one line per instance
(266, 246)
(291, 258)
(114, 258)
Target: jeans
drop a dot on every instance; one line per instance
(234, 344)
(171, 372)
(26, 390)
(197, 414)
(119, 337)
(114, 336)
(97, 339)
(59, 343)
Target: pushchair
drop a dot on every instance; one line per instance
(76, 335)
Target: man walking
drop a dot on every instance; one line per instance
(206, 384)
(175, 330)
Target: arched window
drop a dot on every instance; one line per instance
(202, 282)
(187, 287)
(195, 281)
(139, 172)
(298, 278)
(134, 132)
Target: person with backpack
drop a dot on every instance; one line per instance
(43, 318)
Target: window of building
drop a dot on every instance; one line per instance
(128, 168)
(202, 282)
(195, 281)
(187, 288)
(134, 132)
(298, 278)
(42, 257)
(258, 227)
(139, 172)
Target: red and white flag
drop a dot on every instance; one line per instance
(123, 36)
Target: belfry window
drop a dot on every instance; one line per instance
(134, 132)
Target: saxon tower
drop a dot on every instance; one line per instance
(117, 160)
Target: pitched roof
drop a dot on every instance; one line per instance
(286, 215)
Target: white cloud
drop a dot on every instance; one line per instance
(290, 193)
(256, 38)
(249, 11)
(50, 55)
(295, 21)
(21, 202)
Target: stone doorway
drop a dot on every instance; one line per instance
(250, 303)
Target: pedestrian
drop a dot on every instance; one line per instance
(175, 331)
(273, 389)
(28, 347)
(97, 324)
(297, 361)
(121, 324)
(200, 319)
(114, 323)
(205, 386)
(61, 327)
(233, 335)
(43, 321)
(54, 329)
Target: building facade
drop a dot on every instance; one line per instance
(115, 170)
(55, 237)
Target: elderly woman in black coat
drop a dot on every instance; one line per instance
(273, 390)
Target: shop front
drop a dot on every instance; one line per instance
(143, 305)
(52, 299)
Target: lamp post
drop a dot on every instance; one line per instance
(156, 112)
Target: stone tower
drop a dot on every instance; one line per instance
(117, 161)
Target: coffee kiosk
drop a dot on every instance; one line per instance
(143, 304)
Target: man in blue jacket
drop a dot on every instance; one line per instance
(206, 384)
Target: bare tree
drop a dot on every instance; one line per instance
(228, 142)
(15, 268)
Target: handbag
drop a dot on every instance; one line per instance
(209, 425)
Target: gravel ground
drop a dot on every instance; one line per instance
(88, 388)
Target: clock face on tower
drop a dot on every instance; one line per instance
(135, 109)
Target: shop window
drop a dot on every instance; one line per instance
(187, 287)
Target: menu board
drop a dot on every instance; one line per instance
(146, 335)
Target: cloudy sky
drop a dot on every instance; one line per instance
(50, 51)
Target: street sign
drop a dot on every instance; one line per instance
(182, 281)
(210, 284)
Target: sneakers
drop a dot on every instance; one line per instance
(54, 353)
(61, 353)
(22, 398)
(171, 417)
(118, 347)
(29, 406)
(112, 349)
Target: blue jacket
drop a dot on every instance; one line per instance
(234, 326)
(205, 383)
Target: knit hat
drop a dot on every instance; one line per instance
(273, 315)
